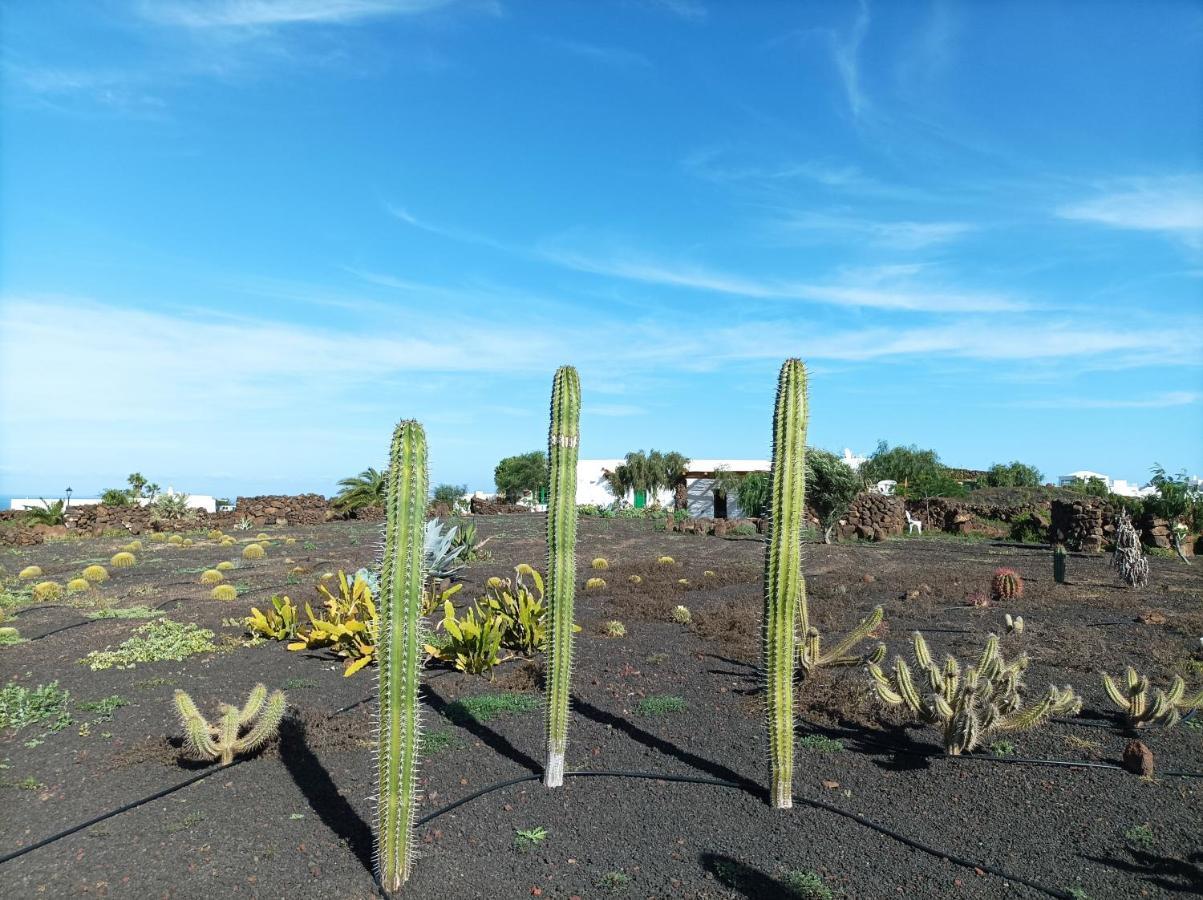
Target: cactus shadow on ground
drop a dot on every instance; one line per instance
(1175, 876)
(745, 880)
(486, 735)
(321, 793)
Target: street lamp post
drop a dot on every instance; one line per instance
(68, 506)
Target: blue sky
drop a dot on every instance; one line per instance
(241, 238)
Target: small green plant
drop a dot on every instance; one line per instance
(95, 573)
(1141, 836)
(612, 882)
(660, 705)
(806, 885)
(253, 551)
(309, 545)
(436, 741)
(22, 706)
(972, 705)
(10, 636)
(744, 529)
(152, 642)
(237, 731)
(486, 707)
(1006, 584)
(105, 707)
(123, 560)
(821, 743)
(681, 615)
(1166, 708)
(613, 629)
(526, 839)
(126, 612)
(1002, 748)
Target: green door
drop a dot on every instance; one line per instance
(640, 499)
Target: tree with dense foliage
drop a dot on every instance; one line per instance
(1173, 502)
(1013, 474)
(900, 464)
(1091, 487)
(831, 486)
(448, 494)
(516, 474)
(651, 473)
(116, 497)
(753, 493)
(368, 488)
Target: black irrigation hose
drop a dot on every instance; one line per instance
(816, 804)
(91, 620)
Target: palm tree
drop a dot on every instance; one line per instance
(675, 465)
(368, 488)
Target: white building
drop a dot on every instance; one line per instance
(195, 501)
(1114, 485)
(703, 498)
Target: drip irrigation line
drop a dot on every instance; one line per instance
(92, 620)
(814, 803)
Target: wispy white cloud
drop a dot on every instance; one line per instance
(845, 53)
(615, 57)
(810, 226)
(214, 14)
(1158, 401)
(1168, 205)
(856, 290)
(692, 10)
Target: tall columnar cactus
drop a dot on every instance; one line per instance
(562, 450)
(1133, 698)
(784, 589)
(399, 650)
(970, 705)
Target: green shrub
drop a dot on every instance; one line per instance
(659, 705)
(1028, 530)
(22, 706)
(486, 707)
(154, 641)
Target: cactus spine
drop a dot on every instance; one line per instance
(399, 649)
(563, 443)
(260, 717)
(784, 588)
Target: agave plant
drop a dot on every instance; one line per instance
(440, 551)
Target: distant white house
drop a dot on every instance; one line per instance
(1116, 486)
(195, 501)
(702, 497)
(852, 461)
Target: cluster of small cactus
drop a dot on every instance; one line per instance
(1006, 584)
(595, 584)
(236, 730)
(95, 573)
(1166, 707)
(971, 705)
(123, 560)
(1129, 560)
(1013, 624)
(563, 449)
(253, 551)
